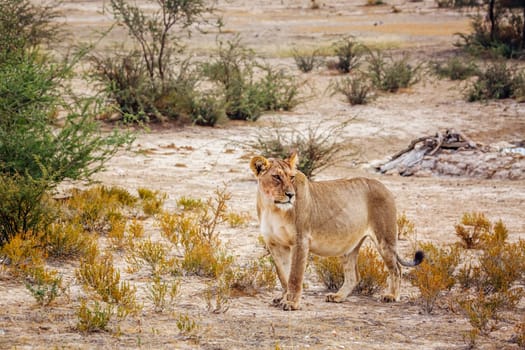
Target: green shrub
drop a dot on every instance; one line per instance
(94, 318)
(497, 81)
(30, 90)
(317, 147)
(374, 2)
(306, 62)
(280, 90)
(45, 286)
(455, 68)
(356, 89)
(246, 97)
(349, 54)
(36, 155)
(207, 110)
(25, 25)
(389, 74)
(25, 206)
(140, 97)
(125, 81)
(152, 82)
(498, 32)
(233, 70)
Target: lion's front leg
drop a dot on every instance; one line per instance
(281, 259)
(295, 280)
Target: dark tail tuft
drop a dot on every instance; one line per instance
(418, 258)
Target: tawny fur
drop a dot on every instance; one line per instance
(327, 218)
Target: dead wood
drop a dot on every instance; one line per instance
(427, 146)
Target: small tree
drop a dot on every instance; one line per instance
(500, 31)
(35, 154)
(149, 80)
(154, 33)
(24, 25)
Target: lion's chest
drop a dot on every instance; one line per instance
(276, 230)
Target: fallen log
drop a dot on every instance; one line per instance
(427, 146)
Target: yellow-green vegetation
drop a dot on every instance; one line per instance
(186, 325)
(44, 285)
(24, 254)
(405, 227)
(193, 234)
(117, 236)
(481, 282)
(97, 207)
(472, 228)
(100, 277)
(435, 274)
(64, 240)
(237, 219)
(189, 203)
(152, 201)
(372, 272)
(136, 228)
(163, 294)
(330, 271)
(257, 275)
(520, 333)
(218, 294)
(489, 283)
(487, 270)
(371, 269)
(153, 255)
(94, 316)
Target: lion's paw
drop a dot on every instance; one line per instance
(288, 305)
(334, 298)
(277, 301)
(388, 298)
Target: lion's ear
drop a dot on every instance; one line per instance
(293, 160)
(259, 164)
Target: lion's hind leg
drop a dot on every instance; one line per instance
(388, 253)
(351, 274)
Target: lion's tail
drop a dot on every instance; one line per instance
(418, 259)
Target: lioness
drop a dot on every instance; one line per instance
(327, 218)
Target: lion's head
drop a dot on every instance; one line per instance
(276, 179)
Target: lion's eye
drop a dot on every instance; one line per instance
(292, 178)
(277, 178)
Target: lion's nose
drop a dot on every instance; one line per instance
(289, 195)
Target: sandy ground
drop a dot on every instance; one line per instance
(194, 161)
